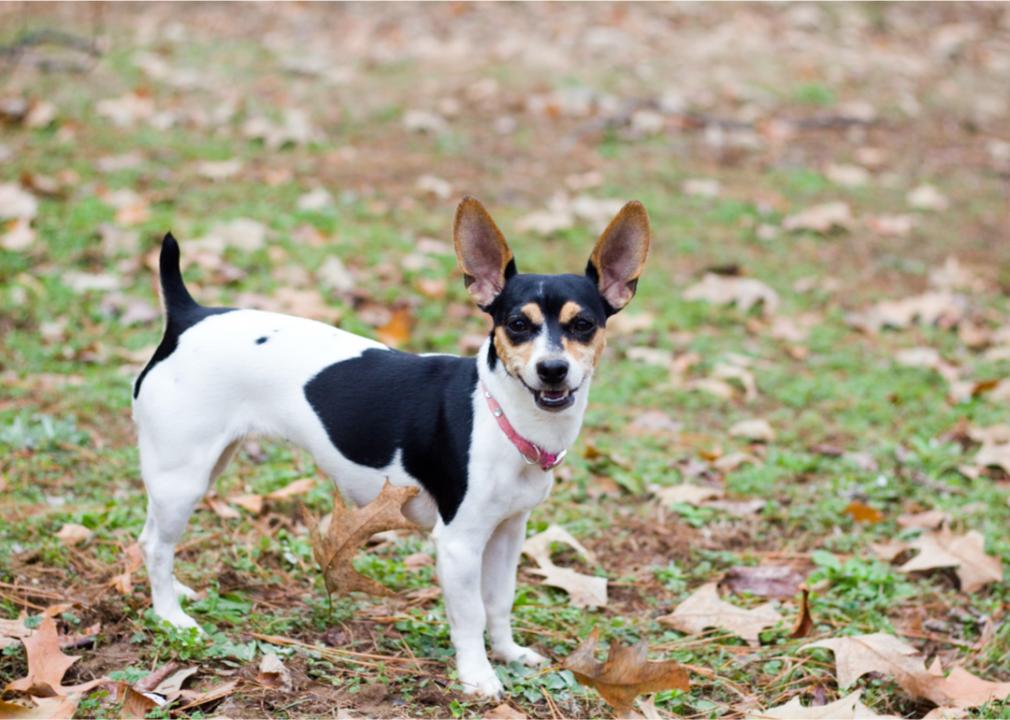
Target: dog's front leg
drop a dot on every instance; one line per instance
(498, 586)
(460, 555)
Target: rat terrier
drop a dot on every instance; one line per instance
(478, 436)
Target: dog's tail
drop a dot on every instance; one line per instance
(173, 289)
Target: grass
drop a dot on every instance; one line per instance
(66, 441)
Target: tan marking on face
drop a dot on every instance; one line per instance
(515, 357)
(568, 311)
(533, 313)
(586, 354)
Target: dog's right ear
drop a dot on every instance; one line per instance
(483, 255)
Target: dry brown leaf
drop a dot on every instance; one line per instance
(133, 559)
(16, 203)
(686, 493)
(963, 690)
(805, 620)
(215, 693)
(965, 553)
(860, 654)
(47, 664)
(994, 456)
(625, 674)
(846, 708)
(863, 513)
(298, 487)
(133, 704)
(505, 712)
(931, 308)
(927, 197)
(743, 292)
(928, 520)
(756, 430)
(538, 546)
(250, 502)
(821, 219)
(274, 674)
(45, 708)
(584, 591)
(167, 681)
(705, 609)
(655, 423)
(339, 535)
(73, 534)
(771, 581)
(221, 508)
(888, 551)
(396, 332)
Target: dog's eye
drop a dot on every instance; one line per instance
(582, 325)
(518, 325)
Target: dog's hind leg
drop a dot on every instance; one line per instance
(172, 493)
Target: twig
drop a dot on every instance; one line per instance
(279, 640)
(555, 713)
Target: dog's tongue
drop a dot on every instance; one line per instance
(554, 394)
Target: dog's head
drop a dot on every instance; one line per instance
(549, 330)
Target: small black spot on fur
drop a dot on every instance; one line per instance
(261, 340)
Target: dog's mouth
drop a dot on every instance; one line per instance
(553, 400)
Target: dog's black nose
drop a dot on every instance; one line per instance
(552, 371)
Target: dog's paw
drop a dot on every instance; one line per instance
(481, 682)
(182, 590)
(518, 653)
(179, 620)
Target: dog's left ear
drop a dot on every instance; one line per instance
(619, 255)
(483, 255)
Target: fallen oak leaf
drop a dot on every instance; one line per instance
(215, 693)
(339, 535)
(965, 553)
(46, 708)
(805, 620)
(743, 292)
(686, 493)
(773, 581)
(132, 702)
(133, 559)
(878, 652)
(705, 609)
(584, 591)
(863, 513)
(625, 674)
(273, 674)
(538, 546)
(755, 430)
(170, 685)
(963, 690)
(73, 534)
(846, 708)
(928, 520)
(298, 487)
(47, 664)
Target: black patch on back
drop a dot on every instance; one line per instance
(179, 321)
(386, 400)
(261, 340)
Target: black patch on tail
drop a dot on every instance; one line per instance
(386, 400)
(181, 311)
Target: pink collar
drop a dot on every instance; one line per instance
(531, 452)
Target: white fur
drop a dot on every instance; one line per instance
(217, 388)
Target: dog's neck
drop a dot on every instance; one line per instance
(552, 431)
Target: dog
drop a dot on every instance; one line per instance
(479, 436)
